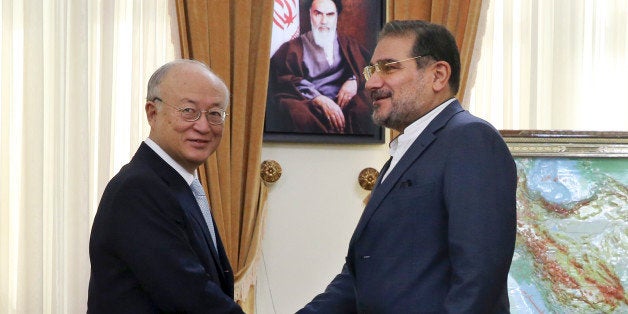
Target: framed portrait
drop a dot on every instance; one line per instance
(316, 88)
(572, 208)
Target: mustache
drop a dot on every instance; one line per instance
(379, 94)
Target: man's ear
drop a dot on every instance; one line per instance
(151, 111)
(442, 72)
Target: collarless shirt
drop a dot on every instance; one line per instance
(187, 176)
(400, 145)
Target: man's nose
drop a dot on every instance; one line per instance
(202, 124)
(374, 82)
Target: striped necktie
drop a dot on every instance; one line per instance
(199, 194)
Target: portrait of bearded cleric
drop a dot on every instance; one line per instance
(316, 87)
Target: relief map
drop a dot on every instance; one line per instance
(571, 254)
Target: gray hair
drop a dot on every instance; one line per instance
(152, 90)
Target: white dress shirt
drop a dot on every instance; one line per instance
(399, 146)
(187, 176)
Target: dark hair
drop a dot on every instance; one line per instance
(429, 39)
(338, 4)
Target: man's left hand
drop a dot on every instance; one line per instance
(346, 92)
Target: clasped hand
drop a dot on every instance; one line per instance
(333, 110)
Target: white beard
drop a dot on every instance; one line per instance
(325, 39)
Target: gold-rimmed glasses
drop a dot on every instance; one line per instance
(214, 116)
(383, 66)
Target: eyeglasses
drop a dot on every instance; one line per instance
(214, 116)
(384, 67)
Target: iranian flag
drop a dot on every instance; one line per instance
(285, 23)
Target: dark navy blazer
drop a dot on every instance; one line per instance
(438, 235)
(150, 248)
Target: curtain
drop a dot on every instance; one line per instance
(552, 65)
(459, 16)
(72, 92)
(233, 38)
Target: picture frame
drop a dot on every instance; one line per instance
(572, 198)
(292, 117)
(552, 143)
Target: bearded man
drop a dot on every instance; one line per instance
(315, 83)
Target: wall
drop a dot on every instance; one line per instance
(312, 211)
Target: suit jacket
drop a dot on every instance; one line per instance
(150, 248)
(438, 235)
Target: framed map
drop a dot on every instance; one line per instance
(571, 254)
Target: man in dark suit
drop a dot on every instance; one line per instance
(154, 246)
(438, 233)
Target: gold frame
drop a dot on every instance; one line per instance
(542, 143)
(372, 14)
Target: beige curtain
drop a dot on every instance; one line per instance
(527, 79)
(233, 38)
(459, 16)
(72, 94)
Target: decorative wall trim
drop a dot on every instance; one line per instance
(530, 143)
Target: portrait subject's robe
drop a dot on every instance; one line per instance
(292, 86)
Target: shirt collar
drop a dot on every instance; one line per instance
(412, 131)
(187, 176)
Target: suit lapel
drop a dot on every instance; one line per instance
(188, 202)
(381, 173)
(184, 195)
(382, 189)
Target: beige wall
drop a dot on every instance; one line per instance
(312, 211)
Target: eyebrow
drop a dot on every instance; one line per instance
(321, 12)
(187, 102)
(383, 61)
